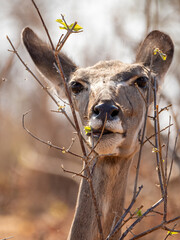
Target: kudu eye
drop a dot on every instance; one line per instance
(142, 82)
(76, 87)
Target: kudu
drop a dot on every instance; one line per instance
(107, 90)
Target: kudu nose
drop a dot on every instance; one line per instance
(101, 110)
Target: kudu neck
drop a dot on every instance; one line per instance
(109, 183)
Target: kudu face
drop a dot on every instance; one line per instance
(109, 93)
(106, 94)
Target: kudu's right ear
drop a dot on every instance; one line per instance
(44, 59)
(156, 40)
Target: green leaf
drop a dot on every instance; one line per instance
(139, 213)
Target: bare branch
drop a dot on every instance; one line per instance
(78, 128)
(43, 23)
(156, 138)
(29, 70)
(119, 222)
(172, 158)
(48, 143)
(153, 135)
(140, 218)
(74, 173)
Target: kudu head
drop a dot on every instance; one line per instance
(110, 91)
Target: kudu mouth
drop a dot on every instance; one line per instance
(96, 133)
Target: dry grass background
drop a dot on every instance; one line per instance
(36, 199)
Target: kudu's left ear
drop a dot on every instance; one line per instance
(156, 40)
(44, 59)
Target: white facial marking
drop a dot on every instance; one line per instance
(114, 125)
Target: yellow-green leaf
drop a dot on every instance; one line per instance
(64, 150)
(60, 107)
(162, 55)
(155, 150)
(61, 22)
(76, 28)
(65, 26)
(172, 233)
(87, 129)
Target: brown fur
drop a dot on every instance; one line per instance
(107, 84)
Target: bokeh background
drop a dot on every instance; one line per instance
(37, 199)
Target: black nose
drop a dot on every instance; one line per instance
(107, 108)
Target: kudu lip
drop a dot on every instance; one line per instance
(96, 133)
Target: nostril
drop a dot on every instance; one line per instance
(96, 110)
(103, 110)
(114, 113)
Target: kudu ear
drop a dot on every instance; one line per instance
(44, 59)
(156, 39)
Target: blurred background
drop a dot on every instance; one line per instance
(37, 199)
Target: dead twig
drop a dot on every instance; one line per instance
(156, 138)
(74, 173)
(153, 135)
(140, 218)
(172, 158)
(165, 173)
(44, 25)
(79, 132)
(29, 70)
(48, 143)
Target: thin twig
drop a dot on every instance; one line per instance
(69, 148)
(156, 137)
(153, 135)
(141, 94)
(74, 173)
(132, 215)
(143, 133)
(64, 39)
(119, 222)
(78, 129)
(44, 25)
(102, 131)
(48, 143)
(64, 20)
(29, 70)
(172, 158)
(140, 218)
(160, 149)
(165, 108)
(171, 229)
(165, 174)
